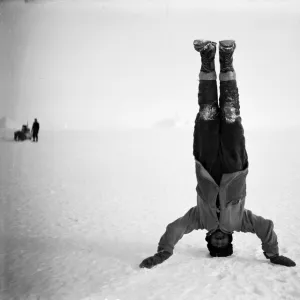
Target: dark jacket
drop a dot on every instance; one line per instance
(233, 215)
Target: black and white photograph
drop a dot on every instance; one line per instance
(149, 150)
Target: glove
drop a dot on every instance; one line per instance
(156, 259)
(282, 260)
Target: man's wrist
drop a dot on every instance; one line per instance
(270, 255)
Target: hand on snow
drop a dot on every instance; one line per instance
(156, 259)
(282, 260)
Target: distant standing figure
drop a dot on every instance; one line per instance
(35, 130)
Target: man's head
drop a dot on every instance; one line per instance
(219, 244)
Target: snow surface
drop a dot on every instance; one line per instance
(81, 210)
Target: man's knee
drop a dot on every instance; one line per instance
(208, 112)
(230, 113)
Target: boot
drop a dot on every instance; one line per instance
(207, 51)
(226, 49)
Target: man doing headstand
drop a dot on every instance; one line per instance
(221, 167)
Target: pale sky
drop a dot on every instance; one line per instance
(94, 64)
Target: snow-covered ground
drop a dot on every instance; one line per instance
(81, 210)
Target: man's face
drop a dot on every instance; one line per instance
(219, 239)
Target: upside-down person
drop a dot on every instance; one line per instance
(221, 168)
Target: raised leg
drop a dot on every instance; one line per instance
(233, 150)
(207, 123)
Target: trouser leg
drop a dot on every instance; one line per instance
(176, 230)
(206, 129)
(233, 149)
(232, 140)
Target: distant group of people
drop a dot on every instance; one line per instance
(35, 130)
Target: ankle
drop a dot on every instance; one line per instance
(231, 75)
(207, 76)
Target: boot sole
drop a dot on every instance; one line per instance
(227, 44)
(200, 45)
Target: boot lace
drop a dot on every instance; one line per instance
(206, 63)
(226, 61)
(207, 58)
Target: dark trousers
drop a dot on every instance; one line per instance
(35, 136)
(219, 144)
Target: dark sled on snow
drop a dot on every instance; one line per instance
(23, 134)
